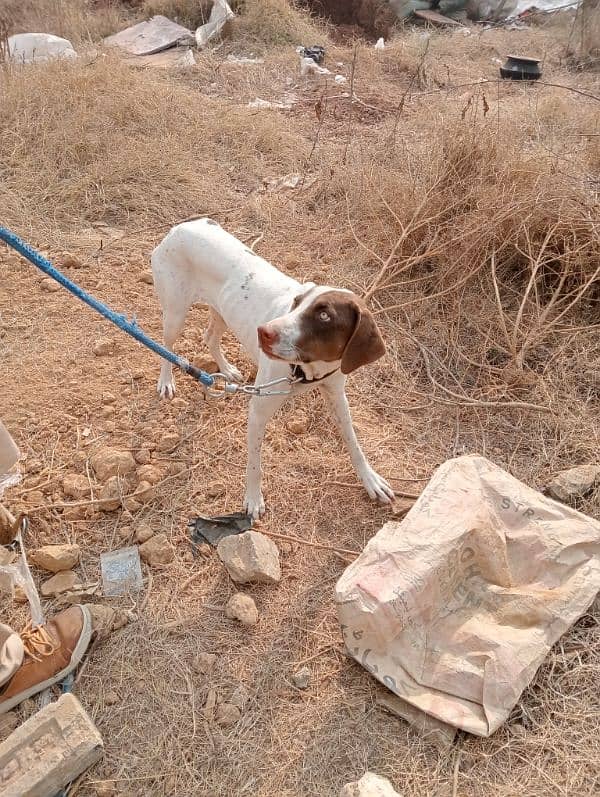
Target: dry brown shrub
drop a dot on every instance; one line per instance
(190, 13)
(276, 22)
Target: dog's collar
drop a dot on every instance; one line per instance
(298, 375)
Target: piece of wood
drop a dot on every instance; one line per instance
(435, 18)
(49, 750)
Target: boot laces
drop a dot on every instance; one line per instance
(37, 641)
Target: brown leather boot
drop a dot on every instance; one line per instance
(51, 652)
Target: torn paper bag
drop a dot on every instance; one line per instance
(455, 608)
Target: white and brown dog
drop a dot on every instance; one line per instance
(322, 333)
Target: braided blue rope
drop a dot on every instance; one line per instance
(119, 320)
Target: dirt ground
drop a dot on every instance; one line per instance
(98, 160)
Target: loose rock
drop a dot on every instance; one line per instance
(204, 663)
(301, 679)
(574, 483)
(205, 364)
(61, 582)
(143, 456)
(67, 260)
(241, 607)
(103, 347)
(76, 486)
(168, 442)
(131, 505)
(227, 715)
(250, 557)
(111, 698)
(109, 462)
(150, 474)
(144, 492)
(146, 276)
(110, 495)
(49, 285)
(215, 490)
(108, 398)
(298, 424)
(370, 785)
(56, 558)
(143, 533)
(157, 551)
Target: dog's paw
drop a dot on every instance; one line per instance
(377, 487)
(166, 388)
(232, 374)
(254, 506)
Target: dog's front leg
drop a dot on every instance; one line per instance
(335, 395)
(262, 409)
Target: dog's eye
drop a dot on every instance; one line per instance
(323, 316)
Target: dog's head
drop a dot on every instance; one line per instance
(324, 325)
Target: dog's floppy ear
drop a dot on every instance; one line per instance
(365, 344)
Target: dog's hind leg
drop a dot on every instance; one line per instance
(175, 304)
(212, 338)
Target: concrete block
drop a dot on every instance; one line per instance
(49, 750)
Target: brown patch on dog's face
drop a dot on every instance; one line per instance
(337, 325)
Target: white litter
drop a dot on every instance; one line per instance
(237, 59)
(340, 79)
(380, 44)
(310, 67)
(29, 48)
(268, 105)
(220, 14)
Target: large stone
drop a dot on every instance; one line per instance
(49, 750)
(61, 582)
(109, 462)
(29, 48)
(370, 785)
(157, 551)
(150, 36)
(250, 557)
(56, 558)
(241, 607)
(76, 486)
(574, 483)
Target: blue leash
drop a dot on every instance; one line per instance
(119, 320)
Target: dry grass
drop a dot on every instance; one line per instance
(480, 224)
(79, 21)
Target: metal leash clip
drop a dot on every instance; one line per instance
(250, 390)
